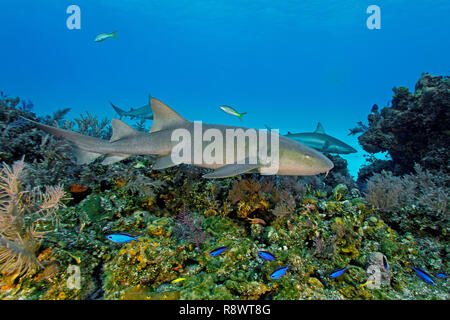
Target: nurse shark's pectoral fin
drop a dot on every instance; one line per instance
(164, 162)
(232, 170)
(84, 157)
(114, 158)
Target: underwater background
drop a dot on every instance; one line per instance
(287, 64)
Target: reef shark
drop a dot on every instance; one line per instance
(293, 158)
(144, 112)
(320, 141)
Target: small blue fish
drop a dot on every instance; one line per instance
(266, 255)
(385, 263)
(122, 237)
(425, 276)
(279, 272)
(441, 275)
(217, 251)
(338, 272)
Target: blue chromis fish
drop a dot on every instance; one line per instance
(425, 276)
(233, 112)
(441, 275)
(279, 272)
(338, 272)
(104, 36)
(266, 255)
(122, 237)
(217, 251)
(385, 263)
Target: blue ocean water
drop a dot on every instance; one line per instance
(289, 64)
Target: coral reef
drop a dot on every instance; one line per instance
(16, 136)
(91, 126)
(415, 128)
(22, 214)
(314, 224)
(416, 203)
(189, 228)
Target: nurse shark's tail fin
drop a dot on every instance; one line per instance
(80, 143)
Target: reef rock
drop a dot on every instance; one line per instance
(414, 129)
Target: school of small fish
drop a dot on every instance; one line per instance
(281, 271)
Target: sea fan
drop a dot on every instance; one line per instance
(91, 126)
(189, 228)
(19, 213)
(18, 256)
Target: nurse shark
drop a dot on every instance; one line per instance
(293, 158)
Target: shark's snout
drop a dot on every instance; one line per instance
(299, 159)
(323, 164)
(327, 165)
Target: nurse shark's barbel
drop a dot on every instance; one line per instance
(294, 158)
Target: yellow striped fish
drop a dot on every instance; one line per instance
(178, 280)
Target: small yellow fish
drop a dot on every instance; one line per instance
(178, 280)
(104, 36)
(230, 110)
(367, 282)
(77, 259)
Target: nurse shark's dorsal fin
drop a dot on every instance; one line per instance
(319, 129)
(164, 117)
(121, 130)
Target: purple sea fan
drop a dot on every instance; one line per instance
(189, 228)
